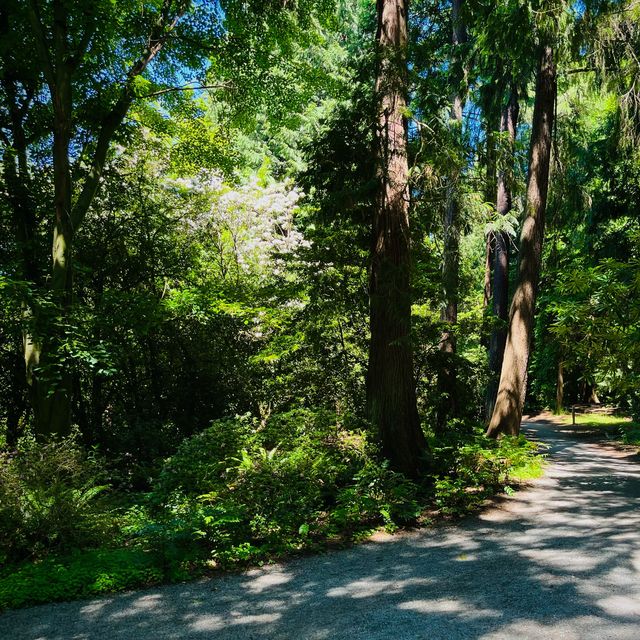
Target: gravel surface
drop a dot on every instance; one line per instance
(560, 560)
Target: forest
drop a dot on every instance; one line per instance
(275, 274)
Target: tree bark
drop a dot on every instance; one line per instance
(18, 184)
(49, 378)
(507, 413)
(488, 274)
(451, 246)
(391, 391)
(500, 254)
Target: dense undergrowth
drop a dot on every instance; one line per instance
(241, 492)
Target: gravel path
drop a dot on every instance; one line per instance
(560, 560)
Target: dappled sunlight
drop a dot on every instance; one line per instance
(368, 588)
(460, 608)
(218, 623)
(558, 560)
(267, 581)
(620, 605)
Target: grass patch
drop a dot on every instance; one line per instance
(619, 428)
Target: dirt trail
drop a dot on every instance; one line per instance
(559, 560)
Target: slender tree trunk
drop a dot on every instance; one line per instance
(53, 383)
(488, 272)
(491, 178)
(391, 393)
(500, 288)
(17, 400)
(591, 394)
(18, 183)
(560, 387)
(48, 370)
(451, 247)
(507, 413)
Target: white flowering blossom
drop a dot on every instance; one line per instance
(251, 225)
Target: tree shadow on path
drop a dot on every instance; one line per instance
(559, 560)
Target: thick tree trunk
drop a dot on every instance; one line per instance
(500, 288)
(391, 395)
(507, 413)
(451, 249)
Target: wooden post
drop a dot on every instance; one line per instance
(573, 414)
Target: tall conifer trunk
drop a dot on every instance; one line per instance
(391, 394)
(451, 248)
(507, 413)
(500, 255)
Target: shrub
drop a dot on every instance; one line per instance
(472, 468)
(201, 461)
(48, 499)
(377, 493)
(240, 491)
(269, 488)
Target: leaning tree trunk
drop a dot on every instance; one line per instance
(500, 254)
(507, 413)
(391, 394)
(451, 247)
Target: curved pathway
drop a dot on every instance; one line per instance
(559, 560)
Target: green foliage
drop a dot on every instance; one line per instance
(201, 461)
(475, 468)
(377, 492)
(592, 261)
(299, 478)
(222, 270)
(81, 575)
(268, 485)
(48, 499)
(242, 491)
